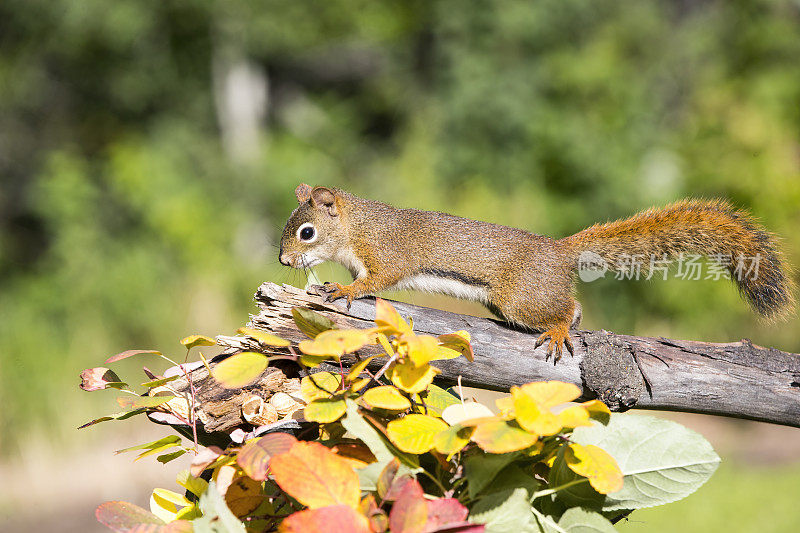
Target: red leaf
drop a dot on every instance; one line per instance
(122, 516)
(410, 511)
(254, 457)
(324, 520)
(445, 512)
(315, 476)
(97, 378)
(399, 485)
(129, 353)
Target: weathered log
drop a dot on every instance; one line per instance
(736, 379)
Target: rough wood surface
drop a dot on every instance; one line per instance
(737, 379)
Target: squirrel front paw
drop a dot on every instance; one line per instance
(335, 291)
(559, 337)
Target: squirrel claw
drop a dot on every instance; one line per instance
(555, 348)
(335, 291)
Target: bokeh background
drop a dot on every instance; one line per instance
(149, 150)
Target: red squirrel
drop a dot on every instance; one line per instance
(526, 279)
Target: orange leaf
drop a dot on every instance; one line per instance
(324, 520)
(315, 476)
(255, 456)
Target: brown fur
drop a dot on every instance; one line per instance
(525, 278)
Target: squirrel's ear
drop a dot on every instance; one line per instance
(303, 193)
(324, 197)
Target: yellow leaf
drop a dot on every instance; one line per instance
(462, 412)
(458, 342)
(437, 399)
(506, 406)
(197, 340)
(574, 416)
(240, 369)
(359, 384)
(495, 435)
(319, 385)
(386, 397)
(325, 410)
(551, 393)
(415, 433)
(336, 342)
(597, 411)
(532, 415)
(358, 368)
(263, 337)
(452, 440)
(595, 464)
(410, 378)
(420, 349)
(313, 361)
(387, 316)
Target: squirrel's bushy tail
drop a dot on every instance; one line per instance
(710, 227)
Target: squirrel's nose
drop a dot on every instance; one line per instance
(284, 259)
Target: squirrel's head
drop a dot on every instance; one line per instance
(314, 232)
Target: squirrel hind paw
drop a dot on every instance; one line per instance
(559, 338)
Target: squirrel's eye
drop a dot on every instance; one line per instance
(307, 233)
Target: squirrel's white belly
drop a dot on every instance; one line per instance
(442, 285)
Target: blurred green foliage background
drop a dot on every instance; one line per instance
(149, 150)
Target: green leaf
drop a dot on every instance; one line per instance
(167, 457)
(504, 511)
(577, 520)
(160, 382)
(142, 402)
(310, 322)
(661, 461)
(482, 468)
(116, 416)
(217, 518)
(512, 477)
(383, 450)
(240, 369)
(171, 440)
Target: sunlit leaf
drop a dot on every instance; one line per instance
(458, 342)
(421, 348)
(193, 484)
(595, 464)
(386, 397)
(267, 339)
(415, 433)
(358, 368)
(325, 519)
(170, 440)
(502, 436)
(255, 456)
(315, 476)
(410, 378)
(310, 322)
(319, 385)
(574, 416)
(452, 440)
(197, 340)
(100, 378)
(551, 393)
(387, 316)
(325, 410)
(460, 412)
(129, 353)
(142, 402)
(159, 382)
(336, 342)
(240, 369)
(533, 415)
